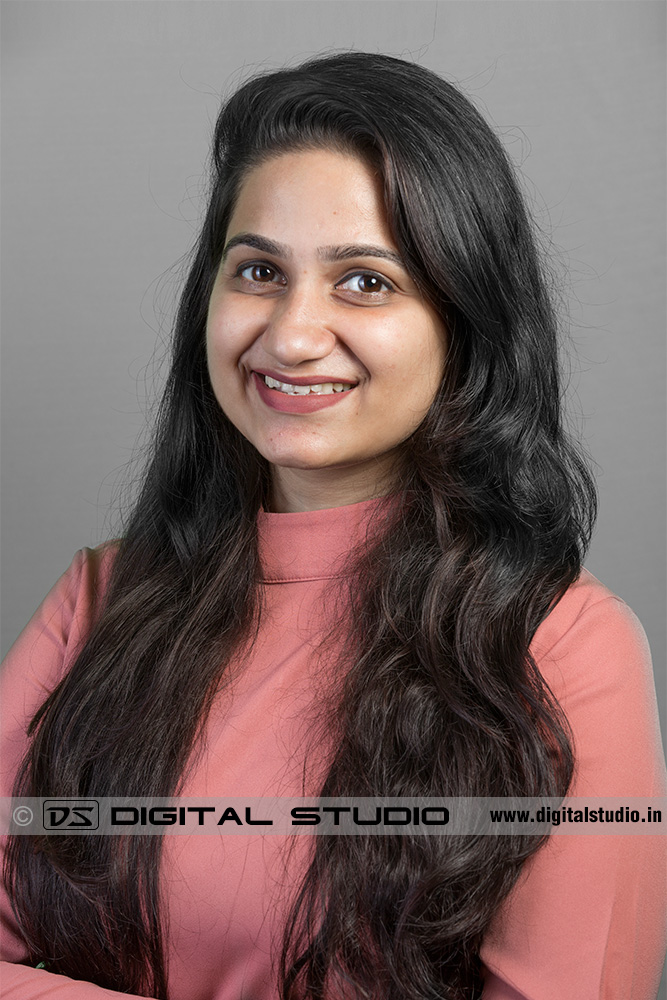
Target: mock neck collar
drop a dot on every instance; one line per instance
(315, 544)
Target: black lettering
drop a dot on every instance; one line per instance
(85, 821)
(200, 810)
(56, 820)
(443, 819)
(367, 822)
(404, 820)
(302, 816)
(117, 820)
(336, 810)
(162, 816)
(229, 813)
(256, 822)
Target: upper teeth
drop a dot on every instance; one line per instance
(303, 390)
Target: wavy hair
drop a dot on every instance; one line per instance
(440, 693)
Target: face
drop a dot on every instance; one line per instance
(320, 348)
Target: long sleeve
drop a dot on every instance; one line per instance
(33, 666)
(21, 983)
(587, 918)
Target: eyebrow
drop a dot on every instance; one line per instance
(327, 253)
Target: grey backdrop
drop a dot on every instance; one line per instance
(107, 109)
(107, 112)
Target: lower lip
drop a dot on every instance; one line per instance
(296, 404)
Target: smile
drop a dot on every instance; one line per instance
(287, 397)
(320, 389)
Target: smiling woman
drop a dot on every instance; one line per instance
(328, 324)
(354, 570)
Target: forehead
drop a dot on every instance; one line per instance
(310, 197)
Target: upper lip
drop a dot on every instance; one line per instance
(305, 379)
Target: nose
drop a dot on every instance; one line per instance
(299, 328)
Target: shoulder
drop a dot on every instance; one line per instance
(70, 607)
(84, 584)
(593, 653)
(48, 644)
(587, 605)
(598, 900)
(591, 622)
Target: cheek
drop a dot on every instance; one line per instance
(433, 354)
(213, 336)
(224, 344)
(415, 361)
(233, 326)
(214, 356)
(223, 372)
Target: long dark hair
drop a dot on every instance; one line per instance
(440, 695)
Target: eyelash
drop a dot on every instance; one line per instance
(388, 287)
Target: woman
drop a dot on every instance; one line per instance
(355, 568)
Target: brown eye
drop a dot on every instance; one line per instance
(259, 272)
(366, 283)
(369, 283)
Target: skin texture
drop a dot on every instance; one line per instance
(297, 297)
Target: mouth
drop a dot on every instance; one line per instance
(307, 395)
(301, 389)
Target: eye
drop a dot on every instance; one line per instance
(260, 274)
(366, 284)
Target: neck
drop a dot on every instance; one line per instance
(295, 490)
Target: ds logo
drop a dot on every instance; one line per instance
(71, 814)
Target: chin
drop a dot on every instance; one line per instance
(299, 460)
(299, 454)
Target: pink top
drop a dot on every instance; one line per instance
(586, 921)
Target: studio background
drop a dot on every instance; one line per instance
(107, 111)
